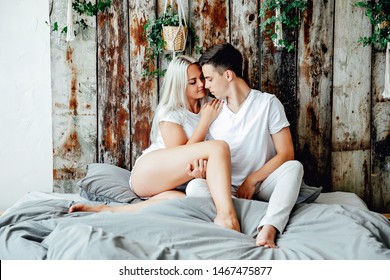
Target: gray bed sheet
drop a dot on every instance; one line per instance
(184, 229)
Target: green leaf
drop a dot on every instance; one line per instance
(153, 34)
(289, 18)
(380, 20)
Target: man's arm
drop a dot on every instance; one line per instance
(284, 152)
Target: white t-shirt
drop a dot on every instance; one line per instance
(188, 120)
(248, 132)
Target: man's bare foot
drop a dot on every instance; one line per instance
(266, 237)
(88, 208)
(229, 222)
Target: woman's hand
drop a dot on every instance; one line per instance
(211, 110)
(197, 169)
(208, 113)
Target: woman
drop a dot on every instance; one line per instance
(180, 125)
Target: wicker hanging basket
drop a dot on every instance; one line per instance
(175, 38)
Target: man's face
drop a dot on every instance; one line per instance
(216, 83)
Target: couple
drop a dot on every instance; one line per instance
(248, 153)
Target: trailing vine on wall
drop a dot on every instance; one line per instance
(153, 35)
(378, 13)
(285, 16)
(83, 8)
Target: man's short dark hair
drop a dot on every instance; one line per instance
(223, 57)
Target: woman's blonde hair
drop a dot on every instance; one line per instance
(173, 90)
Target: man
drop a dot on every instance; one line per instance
(255, 126)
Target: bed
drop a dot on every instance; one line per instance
(336, 226)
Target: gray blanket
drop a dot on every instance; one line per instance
(184, 229)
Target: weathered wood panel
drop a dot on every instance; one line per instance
(351, 101)
(113, 85)
(339, 120)
(143, 91)
(278, 74)
(379, 196)
(210, 19)
(315, 75)
(245, 36)
(350, 172)
(73, 66)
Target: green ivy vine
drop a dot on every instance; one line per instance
(82, 7)
(155, 48)
(378, 13)
(289, 18)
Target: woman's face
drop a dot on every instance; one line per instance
(195, 85)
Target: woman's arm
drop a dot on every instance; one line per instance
(174, 135)
(209, 113)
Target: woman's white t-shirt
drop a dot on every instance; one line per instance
(248, 132)
(186, 119)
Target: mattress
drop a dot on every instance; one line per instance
(338, 226)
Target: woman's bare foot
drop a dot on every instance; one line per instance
(266, 237)
(88, 208)
(229, 221)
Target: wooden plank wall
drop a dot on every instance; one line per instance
(351, 102)
(113, 86)
(74, 101)
(314, 92)
(331, 88)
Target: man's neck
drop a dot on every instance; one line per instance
(239, 93)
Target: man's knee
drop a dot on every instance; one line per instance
(198, 188)
(294, 166)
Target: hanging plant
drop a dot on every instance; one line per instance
(166, 35)
(83, 8)
(284, 20)
(378, 13)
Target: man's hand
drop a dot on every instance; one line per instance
(246, 190)
(197, 169)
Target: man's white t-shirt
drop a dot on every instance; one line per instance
(188, 120)
(248, 132)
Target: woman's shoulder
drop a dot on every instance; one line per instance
(175, 115)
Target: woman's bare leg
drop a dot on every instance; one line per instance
(165, 169)
(127, 207)
(219, 174)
